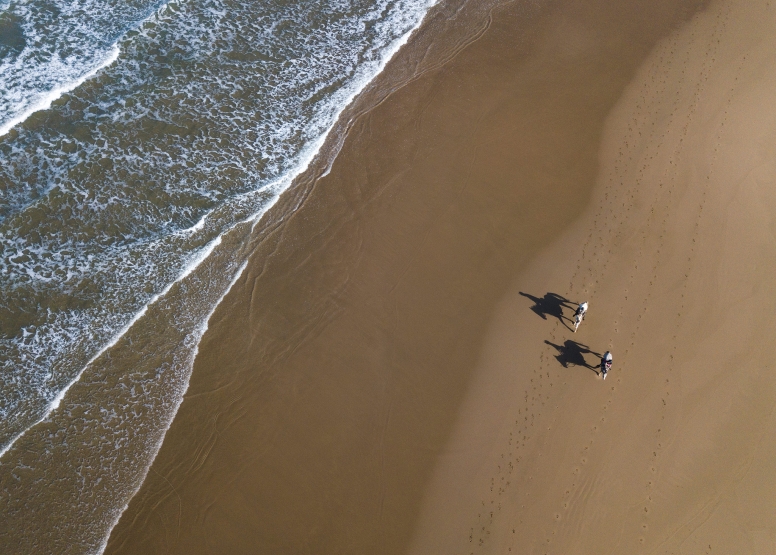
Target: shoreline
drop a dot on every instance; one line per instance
(352, 392)
(122, 363)
(317, 154)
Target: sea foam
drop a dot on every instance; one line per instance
(124, 214)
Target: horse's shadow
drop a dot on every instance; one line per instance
(551, 304)
(572, 353)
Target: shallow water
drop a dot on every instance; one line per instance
(121, 203)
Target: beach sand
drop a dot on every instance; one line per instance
(394, 372)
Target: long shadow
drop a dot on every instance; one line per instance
(572, 353)
(551, 304)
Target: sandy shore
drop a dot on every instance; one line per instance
(389, 375)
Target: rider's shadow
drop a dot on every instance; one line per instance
(551, 304)
(572, 353)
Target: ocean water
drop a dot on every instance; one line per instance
(139, 142)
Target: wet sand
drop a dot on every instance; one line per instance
(390, 374)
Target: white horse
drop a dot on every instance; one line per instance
(579, 315)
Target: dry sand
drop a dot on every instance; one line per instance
(377, 382)
(675, 451)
